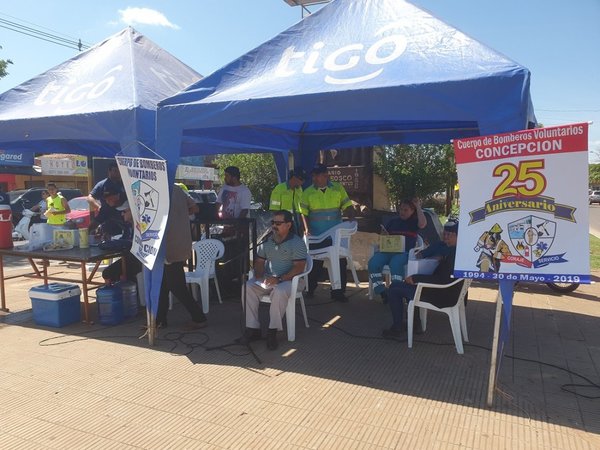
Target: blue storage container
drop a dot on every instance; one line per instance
(56, 304)
(130, 298)
(110, 305)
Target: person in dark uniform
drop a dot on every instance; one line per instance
(445, 251)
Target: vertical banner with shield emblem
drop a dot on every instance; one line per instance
(523, 214)
(146, 184)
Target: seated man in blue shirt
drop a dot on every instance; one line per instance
(278, 260)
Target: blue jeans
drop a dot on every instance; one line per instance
(396, 295)
(397, 263)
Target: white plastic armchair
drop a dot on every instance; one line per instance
(207, 252)
(456, 314)
(386, 273)
(340, 248)
(295, 294)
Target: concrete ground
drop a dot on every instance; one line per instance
(339, 385)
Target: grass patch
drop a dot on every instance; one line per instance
(594, 252)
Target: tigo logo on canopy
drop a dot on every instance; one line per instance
(338, 63)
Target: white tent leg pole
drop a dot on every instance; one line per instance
(494, 356)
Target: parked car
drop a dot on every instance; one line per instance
(27, 198)
(595, 197)
(80, 212)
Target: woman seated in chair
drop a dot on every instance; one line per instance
(445, 251)
(409, 221)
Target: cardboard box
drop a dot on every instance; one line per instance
(55, 305)
(391, 243)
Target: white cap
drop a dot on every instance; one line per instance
(123, 207)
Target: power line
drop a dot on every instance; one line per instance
(64, 41)
(568, 110)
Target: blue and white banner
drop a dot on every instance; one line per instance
(16, 158)
(523, 216)
(147, 188)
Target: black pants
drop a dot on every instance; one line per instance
(317, 271)
(173, 280)
(133, 266)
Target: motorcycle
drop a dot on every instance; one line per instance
(22, 228)
(563, 288)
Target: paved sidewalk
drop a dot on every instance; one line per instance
(338, 386)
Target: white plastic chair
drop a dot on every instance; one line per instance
(385, 272)
(207, 252)
(456, 314)
(340, 248)
(290, 312)
(295, 294)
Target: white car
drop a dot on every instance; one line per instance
(595, 197)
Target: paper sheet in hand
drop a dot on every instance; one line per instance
(391, 243)
(262, 284)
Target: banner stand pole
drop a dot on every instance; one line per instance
(494, 355)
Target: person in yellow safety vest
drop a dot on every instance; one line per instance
(58, 207)
(183, 187)
(322, 204)
(287, 195)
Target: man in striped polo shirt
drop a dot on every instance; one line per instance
(278, 260)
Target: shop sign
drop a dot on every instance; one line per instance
(69, 165)
(355, 179)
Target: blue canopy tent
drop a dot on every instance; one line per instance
(101, 102)
(96, 103)
(356, 73)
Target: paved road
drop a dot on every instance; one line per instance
(595, 220)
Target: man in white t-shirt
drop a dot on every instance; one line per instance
(234, 197)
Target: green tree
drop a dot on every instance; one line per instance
(3, 65)
(594, 174)
(257, 172)
(416, 170)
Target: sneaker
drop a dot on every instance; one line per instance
(250, 335)
(339, 296)
(272, 339)
(195, 325)
(392, 333)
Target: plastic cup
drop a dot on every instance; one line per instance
(83, 238)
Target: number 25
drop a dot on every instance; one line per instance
(516, 178)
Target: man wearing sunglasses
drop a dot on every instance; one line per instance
(278, 260)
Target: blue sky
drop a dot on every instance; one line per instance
(558, 41)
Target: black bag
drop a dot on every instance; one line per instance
(118, 244)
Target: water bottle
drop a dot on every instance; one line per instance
(130, 299)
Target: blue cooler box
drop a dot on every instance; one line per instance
(55, 305)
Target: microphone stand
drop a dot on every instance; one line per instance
(245, 257)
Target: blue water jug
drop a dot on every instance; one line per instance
(110, 305)
(130, 298)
